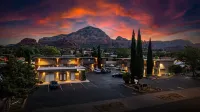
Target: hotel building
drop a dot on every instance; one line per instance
(73, 68)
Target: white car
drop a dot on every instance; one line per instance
(97, 70)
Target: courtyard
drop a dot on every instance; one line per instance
(101, 87)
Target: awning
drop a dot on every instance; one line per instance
(81, 68)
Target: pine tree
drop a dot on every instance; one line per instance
(139, 57)
(149, 60)
(133, 55)
(99, 57)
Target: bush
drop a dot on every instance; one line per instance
(175, 69)
(41, 82)
(126, 77)
(83, 76)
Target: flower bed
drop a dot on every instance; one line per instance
(142, 88)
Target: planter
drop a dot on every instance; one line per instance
(142, 88)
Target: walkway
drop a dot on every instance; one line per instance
(66, 82)
(129, 103)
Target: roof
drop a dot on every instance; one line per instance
(66, 57)
(60, 68)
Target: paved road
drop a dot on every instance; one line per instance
(191, 105)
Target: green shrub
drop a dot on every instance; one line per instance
(175, 69)
(83, 76)
(126, 77)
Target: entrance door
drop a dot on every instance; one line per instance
(72, 76)
(49, 77)
(62, 77)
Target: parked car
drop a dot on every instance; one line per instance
(54, 85)
(97, 70)
(111, 65)
(117, 75)
(117, 68)
(104, 70)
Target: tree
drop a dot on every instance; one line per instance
(17, 79)
(149, 60)
(126, 77)
(94, 52)
(133, 57)
(50, 51)
(6, 50)
(26, 52)
(139, 57)
(99, 57)
(191, 57)
(175, 69)
(123, 52)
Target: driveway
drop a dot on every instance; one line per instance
(100, 87)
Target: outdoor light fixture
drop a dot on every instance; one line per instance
(38, 60)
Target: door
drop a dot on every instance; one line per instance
(72, 76)
(49, 77)
(60, 77)
(64, 76)
(46, 78)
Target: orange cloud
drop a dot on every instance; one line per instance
(43, 21)
(77, 13)
(66, 24)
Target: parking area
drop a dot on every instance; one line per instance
(174, 83)
(100, 87)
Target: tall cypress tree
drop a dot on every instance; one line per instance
(94, 52)
(139, 57)
(133, 56)
(149, 60)
(99, 57)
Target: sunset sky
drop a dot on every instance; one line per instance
(158, 19)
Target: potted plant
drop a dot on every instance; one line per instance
(126, 77)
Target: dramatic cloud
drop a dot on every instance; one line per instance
(158, 19)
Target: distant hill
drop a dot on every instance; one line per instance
(171, 44)
(85, 37)
(197, 45)
(121, 42)
(28, 41)
(90, 36)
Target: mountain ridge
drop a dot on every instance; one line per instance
(91, 36)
